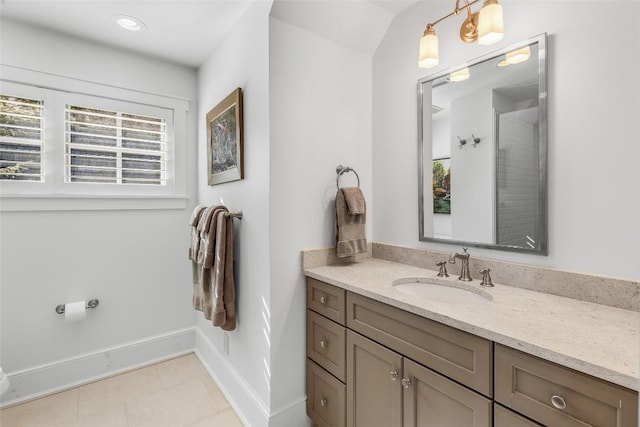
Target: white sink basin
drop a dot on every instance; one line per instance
(454, 293)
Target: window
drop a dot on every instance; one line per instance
(104, 146)
(82, 145)
(21, 138)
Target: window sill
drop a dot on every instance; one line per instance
(21, 203)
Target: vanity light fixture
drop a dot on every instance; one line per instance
(129, 23)
(485, 27)
(460, 75)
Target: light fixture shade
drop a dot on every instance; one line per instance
(490, 25)
(459, 75)
(428, 50)
(518, 55)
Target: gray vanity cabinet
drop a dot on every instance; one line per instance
(374, 365)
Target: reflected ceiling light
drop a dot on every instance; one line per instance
(460, 75)
(485, 27)
(515, 56)
(129, 23)
(518, 55)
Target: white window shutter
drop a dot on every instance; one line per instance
(114, 147)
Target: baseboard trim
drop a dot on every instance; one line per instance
(54, 377)
(246, 403)
(251, 410)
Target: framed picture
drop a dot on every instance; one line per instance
(442, 185)
(225, 159)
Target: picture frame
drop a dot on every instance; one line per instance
(442, 185)
(225, 144)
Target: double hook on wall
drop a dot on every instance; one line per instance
(463, 142)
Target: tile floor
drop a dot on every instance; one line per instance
(175, 393)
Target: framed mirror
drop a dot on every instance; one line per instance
(482, 130)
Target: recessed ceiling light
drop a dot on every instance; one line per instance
(130, 23)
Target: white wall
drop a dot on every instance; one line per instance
(242, 60)
(320, 117)
(307, 105)
(134, 261)
(472, 207)
(593, 126)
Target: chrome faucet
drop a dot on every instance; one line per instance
(465, 274)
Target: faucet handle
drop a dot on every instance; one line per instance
(442, 272)
(486, 278)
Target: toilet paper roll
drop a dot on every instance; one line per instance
(75, 311)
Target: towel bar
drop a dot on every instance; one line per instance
(342, 169)
(237, 214)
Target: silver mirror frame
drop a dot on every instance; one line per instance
(542, 248)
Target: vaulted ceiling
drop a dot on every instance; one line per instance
(187, 31)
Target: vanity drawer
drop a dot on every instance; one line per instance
(326, 398)
(461, 356)
(326, 344)
(326, 299)
(503, 417)
(557, 396)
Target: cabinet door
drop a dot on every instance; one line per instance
(374, 391)
(431, 400)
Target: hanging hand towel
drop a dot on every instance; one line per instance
(224, 309)
(202, 277)
(350, 227)
(355, 200)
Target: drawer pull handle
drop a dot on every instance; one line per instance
(324, 344)
(323, 402)
(394, 375)
(558, 402)
(323, 300)
(406, 382)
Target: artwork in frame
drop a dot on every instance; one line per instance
(442, 185)
(225, 157)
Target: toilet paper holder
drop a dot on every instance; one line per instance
(90, 304)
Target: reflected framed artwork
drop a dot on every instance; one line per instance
(225, 157)
(442, 185)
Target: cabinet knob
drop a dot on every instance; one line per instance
(324, 343)
(323, 402)
(394, 375)
(323, 300)
(558, 402)
(406, 382)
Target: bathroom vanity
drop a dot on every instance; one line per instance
(380, 356)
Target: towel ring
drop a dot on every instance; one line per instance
(342, 169)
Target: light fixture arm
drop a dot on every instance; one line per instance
(455, 11)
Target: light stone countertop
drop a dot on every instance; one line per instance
(596, 339)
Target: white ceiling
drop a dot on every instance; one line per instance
(187, 31)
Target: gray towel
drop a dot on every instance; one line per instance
(224, 297)
(202, 267)
(351, 237)
(355, 200)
